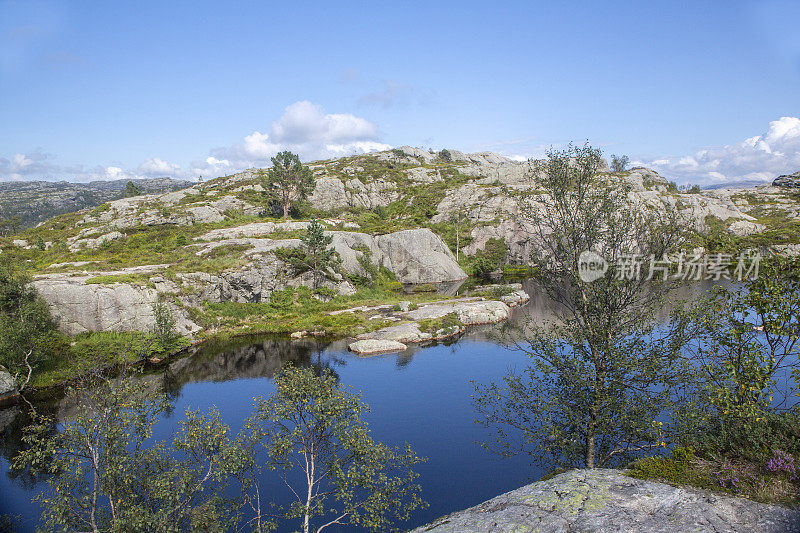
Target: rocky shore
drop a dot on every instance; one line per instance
(436, 321)
(607, 500)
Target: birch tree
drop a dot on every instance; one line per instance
(600, 372)
(336, 473)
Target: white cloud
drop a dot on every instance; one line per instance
(304, 128)
(34, 165)
(157, 167)
(762, 157)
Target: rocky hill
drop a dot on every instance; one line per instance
(36, 201)
(791, 181)
(389, 212)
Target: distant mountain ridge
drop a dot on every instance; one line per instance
(36, 201)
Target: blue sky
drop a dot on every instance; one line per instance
(702, 91)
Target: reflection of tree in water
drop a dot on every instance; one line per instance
(13, 422)
(247, 359)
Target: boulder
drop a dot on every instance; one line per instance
(418, 256)
(404, 333)
(328, 194)
(515, 298)
(205, 214)
(372, 346)
(607, 500)
(93, 244)
(743, 228)
(8, 388)
(470, 312)
(81, 307)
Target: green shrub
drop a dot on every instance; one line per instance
(678, 468)
(482, 268)
(432, 325)
(489, 259)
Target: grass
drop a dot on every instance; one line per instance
(134, 279)
(92, 351)
(740, 477)
(293, 310)
(432, 325)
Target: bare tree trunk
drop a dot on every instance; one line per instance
(286, 209)
(307, 517)
(590, 447)
(93, 508)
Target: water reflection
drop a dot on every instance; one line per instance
(420, 396)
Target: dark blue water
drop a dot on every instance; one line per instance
(422, 399)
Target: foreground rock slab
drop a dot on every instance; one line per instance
(607, 500)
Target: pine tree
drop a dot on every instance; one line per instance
(288, 181)
(318, 256)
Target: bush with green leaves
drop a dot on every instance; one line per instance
(744, 343)
(490, 259)
(105, 474)
(28, 333)
(164, 331)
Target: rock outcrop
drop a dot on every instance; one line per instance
(418, 256)
(8, 389)
(465, 312)
(81, 307)
(332, 193)
(373, 346)
(790, 181)
(470, 312)
(413, 256)
(607, 500)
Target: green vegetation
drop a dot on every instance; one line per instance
(104, 473)
(447, 322)
(131, 189)
(288, 181)
(314, 426)
(316, 255)
(679, 468)
(599, 374)
(28, 335)
(129, 484)
(489, 260)
(619, 163)
(737, 415)
(9, 226)
(133, 279)
(303, 309)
